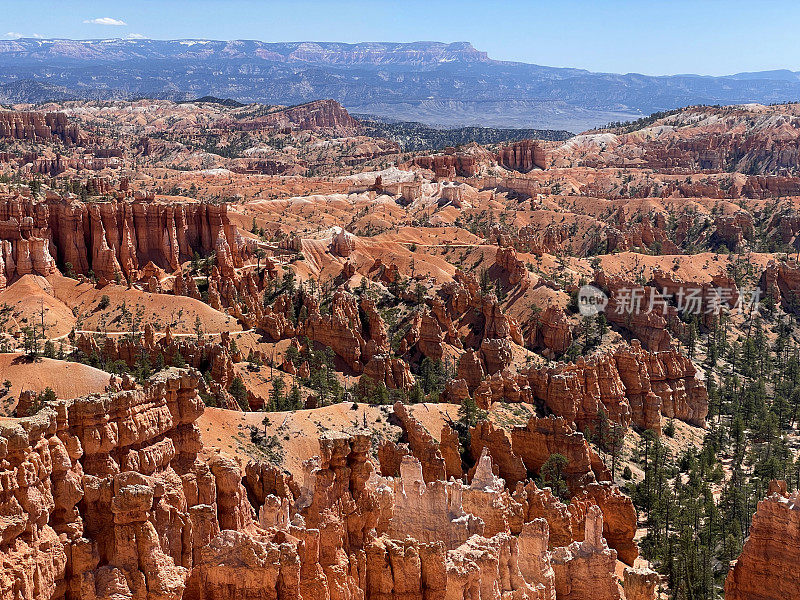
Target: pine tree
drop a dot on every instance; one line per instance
(238, 390)
(276, 397)
(552, 475)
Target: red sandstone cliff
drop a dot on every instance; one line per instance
(316, 115)
(522, 156)
(767, 567)
(39, 127)
(108, 497)
(112, 239)
(629, 384)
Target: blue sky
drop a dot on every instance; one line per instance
(710, 37)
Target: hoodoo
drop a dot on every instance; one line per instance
(313, 351)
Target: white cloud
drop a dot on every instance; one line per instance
(14, 35)
(136, 36)
(105, 21)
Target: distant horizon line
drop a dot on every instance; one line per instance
(135, 39)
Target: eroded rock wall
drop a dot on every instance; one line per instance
(629, 384)
(108, 497)
(39, 127)
(766, 569)
(113, 240)
(116, 478)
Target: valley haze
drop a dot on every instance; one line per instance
(439, 84)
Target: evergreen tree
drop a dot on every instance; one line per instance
(552, 475)
(238, 390)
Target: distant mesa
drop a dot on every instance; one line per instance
(440, 84)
